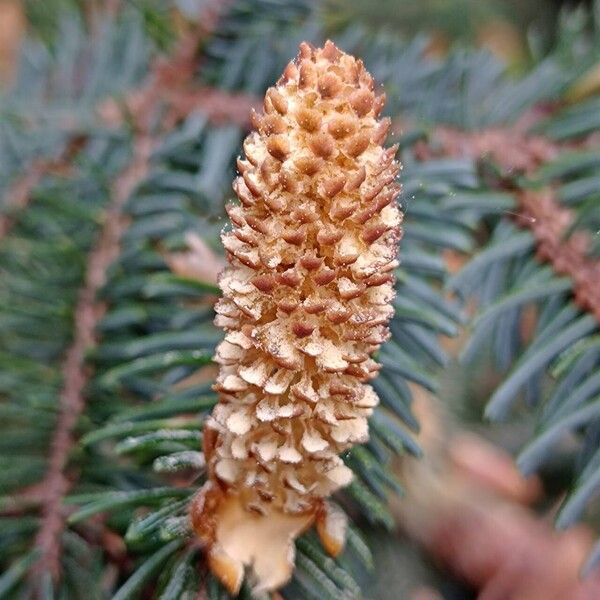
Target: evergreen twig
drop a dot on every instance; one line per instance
(219, 106)
(568, 256)
(19, 193)
(516, 151)
(176, 71)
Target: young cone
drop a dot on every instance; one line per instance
(306, 301)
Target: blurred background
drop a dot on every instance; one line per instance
(507, 27)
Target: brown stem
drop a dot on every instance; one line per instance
(512, 149)
(548, 220)
(516, 151)
(174, 73)
(56, 482)
(219, 106)
(19, 193)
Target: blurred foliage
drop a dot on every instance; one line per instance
(44, 16)
(457, 18)
(500, 25)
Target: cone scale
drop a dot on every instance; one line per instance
(306, 301)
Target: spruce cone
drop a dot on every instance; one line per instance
(306, 301)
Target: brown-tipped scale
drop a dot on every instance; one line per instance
(306, 300)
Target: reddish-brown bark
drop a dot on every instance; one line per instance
(218, 105)
(19, 193)
(515, 152)
(174, 73)
(56, 482)
(548, 220)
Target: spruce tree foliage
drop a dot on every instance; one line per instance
(70, 139)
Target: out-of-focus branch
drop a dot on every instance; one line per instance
(510, 148)
(19, 193)
(170, 86)
(549, 221)
(517, 152)
(219, 106)
(173, 73)
(466, 504)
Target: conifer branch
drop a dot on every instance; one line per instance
(19, 193)
(175, 73)
(56, 482)
(169, 84)
(218, 105)
(512, 149)
(548, 220)
(516, 151)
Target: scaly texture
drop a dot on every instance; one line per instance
(306, 301)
